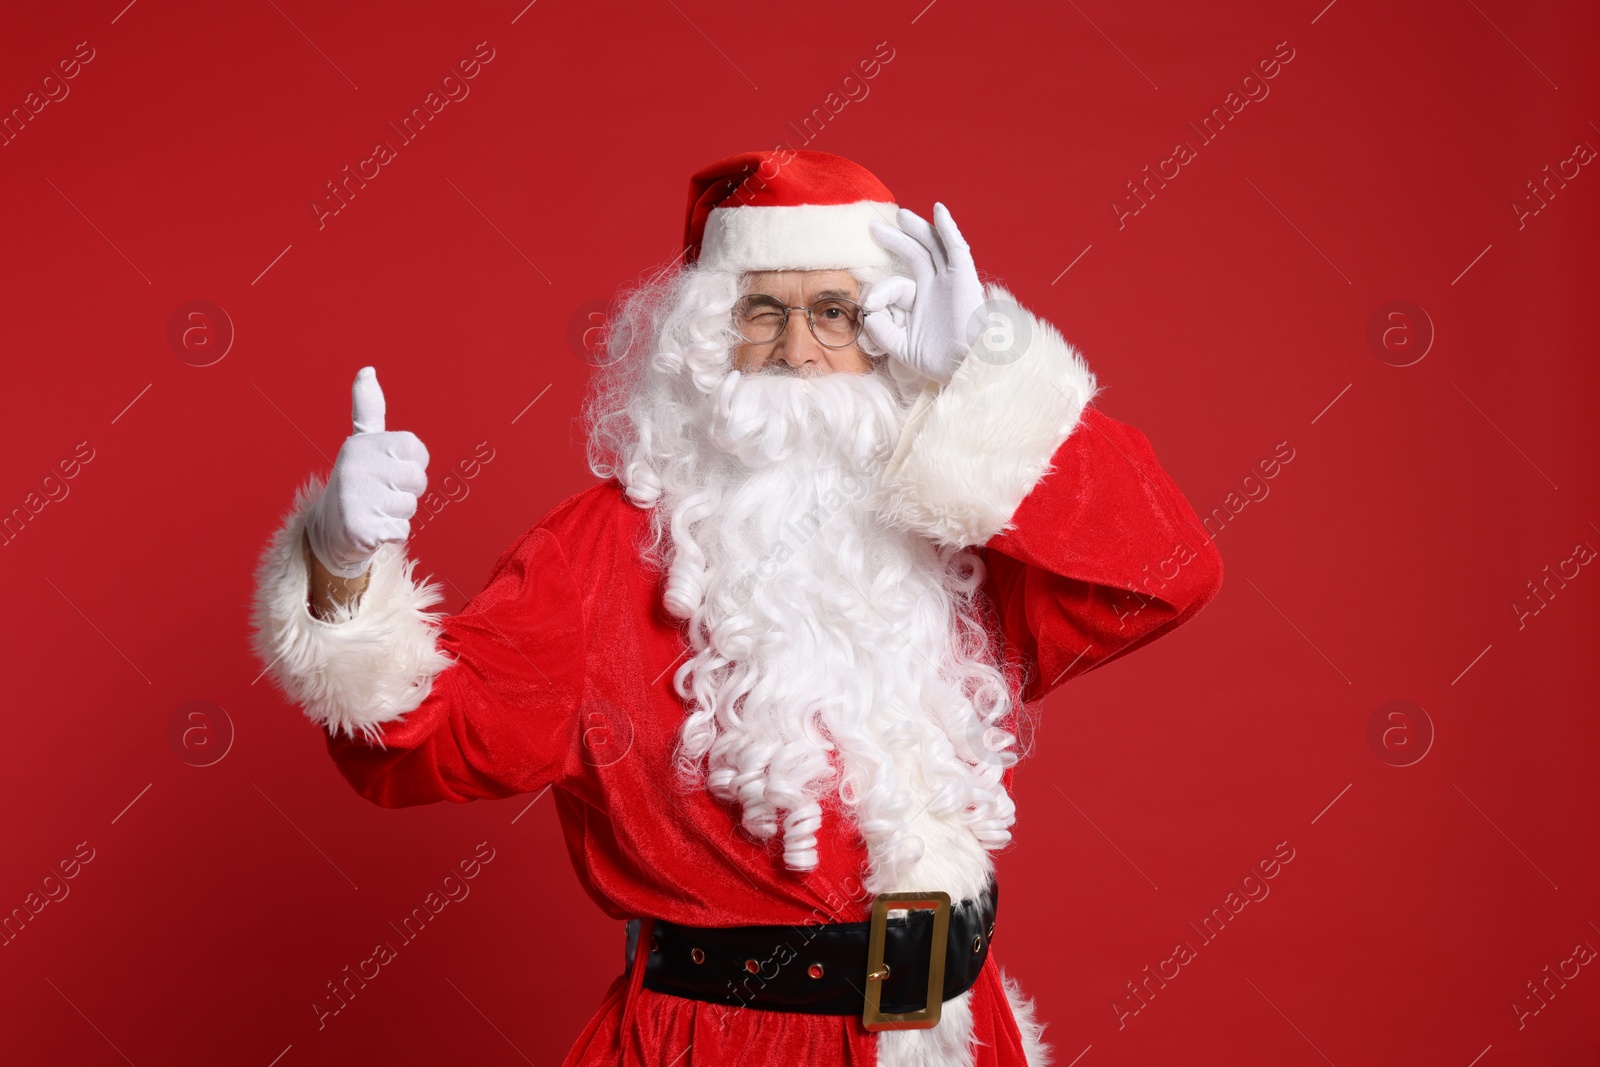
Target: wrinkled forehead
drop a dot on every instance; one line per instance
(800, 286)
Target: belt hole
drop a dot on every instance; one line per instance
(991, 931)
(655, 945)
(815, 970)
(977, 944)
(752, 966)
(697, 955)
(879, 974)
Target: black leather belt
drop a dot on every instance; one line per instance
(893, 972)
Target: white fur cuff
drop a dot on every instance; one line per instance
(362, 667)
(973, 449)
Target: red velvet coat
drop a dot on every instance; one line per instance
(562, 678)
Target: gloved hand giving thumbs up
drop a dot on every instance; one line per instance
(373, 490)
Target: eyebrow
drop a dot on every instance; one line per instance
(826, 294)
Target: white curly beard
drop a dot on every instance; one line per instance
(831, 652)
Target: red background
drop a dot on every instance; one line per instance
(1224, 318)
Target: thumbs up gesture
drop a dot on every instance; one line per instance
(373, 490)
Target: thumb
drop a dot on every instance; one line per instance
(366, 407)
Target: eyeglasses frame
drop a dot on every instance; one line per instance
(811, 322)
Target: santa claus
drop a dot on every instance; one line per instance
(856, 518)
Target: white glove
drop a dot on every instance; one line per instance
(943, 301)
(373, 490)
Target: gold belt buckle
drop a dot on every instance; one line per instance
(872, 1018)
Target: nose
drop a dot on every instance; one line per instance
(798, 347)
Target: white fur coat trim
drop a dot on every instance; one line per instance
(951, 1043)
(952, 860)
(973, 449)
(360, 668)
(1034, 1047)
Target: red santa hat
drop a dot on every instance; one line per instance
(786, 210)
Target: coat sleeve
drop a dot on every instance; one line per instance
(1090, 549)
(1102, 557)
(418, 706)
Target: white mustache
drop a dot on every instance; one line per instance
(770, 416)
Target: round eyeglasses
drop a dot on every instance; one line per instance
(760, 319)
